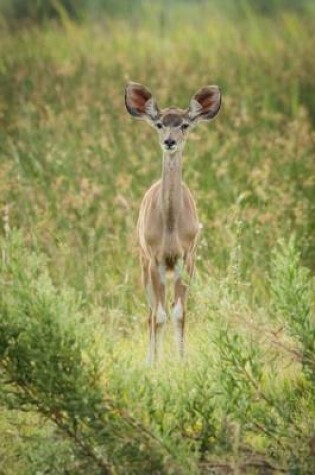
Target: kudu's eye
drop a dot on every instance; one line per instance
(158, 125)
(184, 126)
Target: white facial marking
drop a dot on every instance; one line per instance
(178, 310)
(169, 150)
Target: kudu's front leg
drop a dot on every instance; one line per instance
(155, 288)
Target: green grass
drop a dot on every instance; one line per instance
(74, 167)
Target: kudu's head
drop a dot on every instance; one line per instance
(172, 124)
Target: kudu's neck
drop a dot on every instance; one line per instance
(171, 191)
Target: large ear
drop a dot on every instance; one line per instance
(205, 104)
(139, 102)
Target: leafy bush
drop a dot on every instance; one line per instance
(48, 366)
(291, 287)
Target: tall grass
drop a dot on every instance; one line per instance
(75, 393)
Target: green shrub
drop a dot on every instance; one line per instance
(48, 365)
(291, 290)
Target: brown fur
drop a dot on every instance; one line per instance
(167, 233)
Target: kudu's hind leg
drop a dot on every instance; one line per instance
(183, 273)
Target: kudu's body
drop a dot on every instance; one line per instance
(168, 225)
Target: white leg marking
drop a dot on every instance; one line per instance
(160, 314)
(178, 313)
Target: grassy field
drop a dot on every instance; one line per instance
(75, 394)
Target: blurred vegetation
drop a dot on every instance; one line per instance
(43, 10)
(75, 395)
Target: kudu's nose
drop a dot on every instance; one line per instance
(169, 142)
